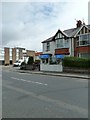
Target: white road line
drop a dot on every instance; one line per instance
(29, 81)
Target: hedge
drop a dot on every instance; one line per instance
(76, 62)
(30, 60)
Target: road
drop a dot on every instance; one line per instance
(42, 96)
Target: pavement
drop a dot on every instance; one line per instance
(62, 74)
(56, 74)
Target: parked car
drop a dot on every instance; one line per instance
(17, 63)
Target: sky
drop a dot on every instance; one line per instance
(27, 23)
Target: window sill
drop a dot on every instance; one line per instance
(83, 45)
(62, 47)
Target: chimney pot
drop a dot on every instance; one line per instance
(79, 23)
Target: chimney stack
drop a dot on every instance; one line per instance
(79, 23)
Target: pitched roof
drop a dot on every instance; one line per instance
(48, 40)
(73, 31)
(88, 26)
(68, 33)
(52, 38)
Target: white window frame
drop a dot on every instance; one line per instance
(88, 35)
(48, 46)
(65, 43)
(58, 43)
(82, 55)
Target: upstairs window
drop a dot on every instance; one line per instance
(59, 43)
(62, 43)
(84, 40)
(48, 46)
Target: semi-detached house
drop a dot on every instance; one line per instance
(70, 42)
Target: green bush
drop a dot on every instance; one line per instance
(76, 62)
(23, 63)
(37, 61)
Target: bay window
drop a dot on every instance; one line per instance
(59, 43)
(62, 43)
(84, 40)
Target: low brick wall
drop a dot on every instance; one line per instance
(76, 70)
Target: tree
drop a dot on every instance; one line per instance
(30, 60)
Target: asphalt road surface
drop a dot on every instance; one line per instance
(42, 96)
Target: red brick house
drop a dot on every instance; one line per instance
(80, 39)
(70, 42)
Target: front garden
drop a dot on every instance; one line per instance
(75, 62)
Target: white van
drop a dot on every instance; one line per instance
(18, 63)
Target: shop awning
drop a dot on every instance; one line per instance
(44, 56)
(59, 56)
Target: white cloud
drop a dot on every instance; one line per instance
(27, 24)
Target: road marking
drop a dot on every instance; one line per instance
(29, 81)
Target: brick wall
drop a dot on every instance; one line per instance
(62, 51)
(83, 49)
(7, 56)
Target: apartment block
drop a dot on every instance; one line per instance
(7, 56)
(10, 55)
(20, 52)
(13, 55)
(1, 56)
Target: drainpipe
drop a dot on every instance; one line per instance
(71, 46)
